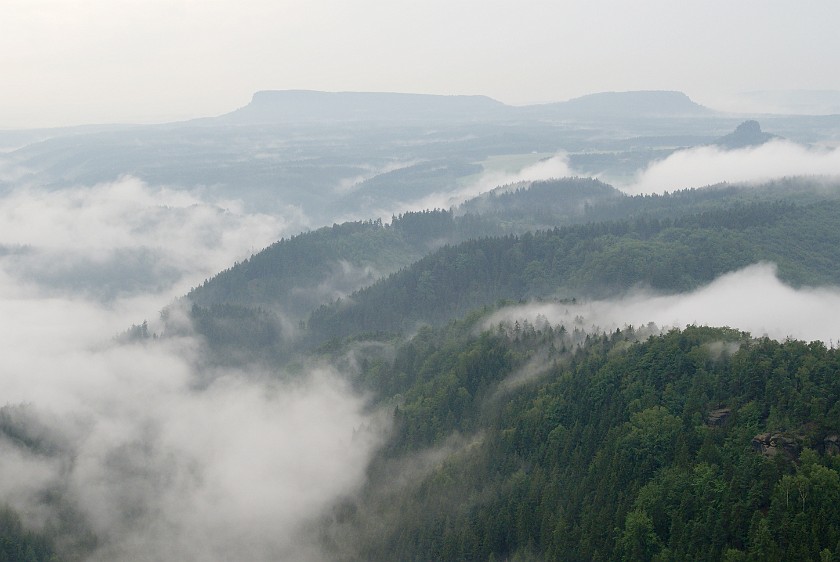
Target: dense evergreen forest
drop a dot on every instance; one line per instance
(539, 442)
(529, 442)
(347, 255)
(20, 545)
(533, 441)
(351, 255)
(294, 294)
(596, 260)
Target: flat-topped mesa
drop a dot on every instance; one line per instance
(642, 104)
(314, 106)
(308, 106)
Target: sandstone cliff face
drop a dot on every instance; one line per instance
(771, 444)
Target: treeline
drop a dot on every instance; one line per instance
(669, 254)
(313, 258)
(322, 257)
(541, 204)
(610, 240)
(699, 444)
(20, 545)
(595, 260)
(303, 260)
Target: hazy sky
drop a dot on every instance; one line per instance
(155, 60)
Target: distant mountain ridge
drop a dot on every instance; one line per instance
(311, 105)
(627, 105)
(271, 106)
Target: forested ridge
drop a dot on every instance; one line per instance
(699, 444)
(299, 292)
(528, 441)
(596, 260)
(315, 257)
(531, 441)
(323, 256)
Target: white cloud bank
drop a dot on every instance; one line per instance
(751, 299)
(160, 470)
(126, 237)
(157, 466)
(709, 165)
(556, 166)
(696, 167)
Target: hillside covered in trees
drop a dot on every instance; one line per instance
(698, 444)
(596, 260)
(533, 441)
(523, 439)
(433, 266)
(529, 441)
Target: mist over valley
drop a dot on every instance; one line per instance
(371, 326)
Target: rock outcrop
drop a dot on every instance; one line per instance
(771, 444)
(746, 134)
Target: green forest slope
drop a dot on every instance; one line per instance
(539, 442)
(700, 444)
(293, 294)
(596, 260)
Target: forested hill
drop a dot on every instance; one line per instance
(303, 270)
(528, 441)
(542, 204)
(314, 266)
(486, 251)
(534, 442)
(516, 444)
(596, 260)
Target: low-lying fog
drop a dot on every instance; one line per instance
(156, 468)
(696, 167)
(708, 165)
(159, 469)
(556, 166)
(751, 299)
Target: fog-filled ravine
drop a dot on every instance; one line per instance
(406, 327)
